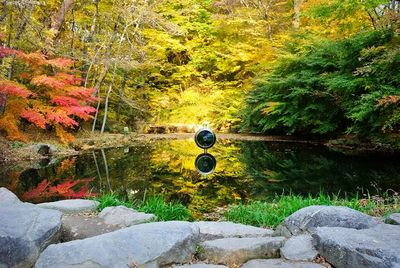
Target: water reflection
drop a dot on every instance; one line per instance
(205, 164)
(246, 170)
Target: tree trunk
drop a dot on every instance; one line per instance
(107, 101)
(103, 73)
(56, 22)
(297, 12)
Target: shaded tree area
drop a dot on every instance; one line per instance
(189, 61)
(328, 87)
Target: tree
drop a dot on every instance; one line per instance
(48, 99)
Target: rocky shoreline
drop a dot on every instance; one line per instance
(70, 234)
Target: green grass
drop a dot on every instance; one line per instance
(112, 200)
(165, 211)
(270, 214)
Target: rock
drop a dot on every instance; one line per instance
(45, 149)
(319, 216)
(393, 219)
(7, 197)
(25, 230)
(279, 263)
(83, 226)
(72, 205)
(214, 230)
(299, 248)
(345, 247)
(234, 251)
(147, 245)
(200, 265)
(124, 217)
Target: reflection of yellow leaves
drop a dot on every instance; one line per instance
(65, 166)
(236, 196)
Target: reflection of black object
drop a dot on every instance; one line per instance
(205, 138)
(205, 163)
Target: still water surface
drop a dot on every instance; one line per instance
(246, 170)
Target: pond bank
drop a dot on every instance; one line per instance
(18, 152)
(311, 237)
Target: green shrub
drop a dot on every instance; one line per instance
(331, 88)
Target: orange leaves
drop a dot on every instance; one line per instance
(14, 89)
(64, 101)
(61, 63)
(63, 135)
(81, 93)
(34, 117)
(388, 100)
(82, 112)
(8, 123)
(57, 99)
(47, 81)
(68, 189)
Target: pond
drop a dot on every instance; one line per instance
(245, 170)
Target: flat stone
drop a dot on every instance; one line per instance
(214, 230)
(234, 251)
(25, 230)
(320, 216)
(299, 248)
(83, 226)
(72, 205)
(143, 245)
(200, 265)
(279, 263)
(393, 219)
(345, 247)
(123, 216)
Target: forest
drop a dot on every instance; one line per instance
(309, 68)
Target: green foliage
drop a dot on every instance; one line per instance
(331, 87)
(271, 214)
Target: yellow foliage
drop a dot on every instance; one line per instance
(63, 135)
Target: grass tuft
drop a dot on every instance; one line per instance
(112, 200)
(271, 214)
(165, 211)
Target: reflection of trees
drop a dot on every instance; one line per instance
(245, 170)
(303, 169)
(174, 175)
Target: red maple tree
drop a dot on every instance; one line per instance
(46, 93)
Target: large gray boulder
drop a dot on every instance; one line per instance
(124, 217)
(214, 230)
(71, 205)
(144, 245)
(234, 251)
(347, 248)
(299, 248)
(25, 230)
(320, 216)
(279, 263)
